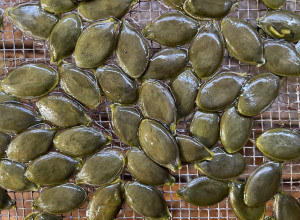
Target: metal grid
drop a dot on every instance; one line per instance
(17, 49)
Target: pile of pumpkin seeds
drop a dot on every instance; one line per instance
(150, 95)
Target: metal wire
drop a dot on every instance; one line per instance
(17, 49)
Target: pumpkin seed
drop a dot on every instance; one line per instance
(262, 184)
(31, 19)
(1, 18)
(106, 202)
(102, 168)
(297, 47)
(7, 98)
(204, 191)
(268, 218)
(243, 41)
(80, 141)
(4, 141)
(5, 201)
(46, 216)
(30, 81)
(234, 125)
(147, 201)
(176, 4)
(96, 43)
(58, 6)
(62, 111)
(60, 199)
(286, 207)
(30, 144)
(146, 171)
(31, 216)
(258, 94)
(273, 4)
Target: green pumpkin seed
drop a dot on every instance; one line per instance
(4, 141)
(125, 122)
(146, 171)
(31, 19)
(206, 10)
(172, 29)
(80, 141)
(157, 102)
(283, 59)
(268, 218)
(12, 176)
(286, 207)
(80, 85)
(191, 150)
(103, 9)
(52, 169)
(274, 4)
(234, 125)
(58, 6)
(64, 37)
(159, 144)
(30, 81)
(31, 216)
(7, 98)
(62, 111)
(30, 144)
(60, 199)
(207, 50)
(132, 51)
(243, 41)
(258, 94)
(185, 88)
(5, 201)
(1, 18)
(262, 184)
(46, 216)
(297, 47)
(222, 166)
(166, 64)
(147, 201)
(103, 168)
(96, 44)
(205, 127)
(116, 85)
(14, 118)
(106, 202)
(221, 91)
(279, 144)
(204, 191)
(176, 4)
(239, 207)
(281, 25)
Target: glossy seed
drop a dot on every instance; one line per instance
(12, 176)
(116, 85)
(166, 64)
(14, 118)
(7, 98)
(103, 9)
(96, 44)
(106, 202)
(125, 122)
(32, 215)
(274, 4)
(60, 199)
(64, 37)
(52, 169)
(176, 4)
(262, 184)
(172, 29)
(80, 85)
(221, 91)
(62, 111)
(147, 201)
(297, 47)
(207, 50)
(207, 10)
(258, 94)
(46, 216)
(281, 25)
(204, 191)
(157, 102)
(146, 171)
(279, 144)
(185, 88)
(269, 218)
(234, 125)
(245, 44)
(103, 168)
(1, 18)
(30, 81)
(206, 127)
(286, 207)
(282, 58)
(58, 6)
(31, 19)
(222, 166)
(242, 211)
(4, 141)
(159, 144)
(5, 201)
(30, 144)
(80, 141)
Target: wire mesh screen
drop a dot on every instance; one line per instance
(17, 49)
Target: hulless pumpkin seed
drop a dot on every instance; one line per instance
(176, 4)
(58, 6)
(273, 4)
(1, 18)
(5, 201)
(7, 98)
(286, 207)
(4, 141)
(268, 218)
(32, 215)
(46, 216)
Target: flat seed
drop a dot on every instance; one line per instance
(7, 98)
(32, 215)
(1, 18)
(286, 207)
(176, 4)
(5, 201)
(58, 6)
(274, 4)
(4, 141)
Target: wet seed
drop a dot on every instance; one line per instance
(286, 207)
